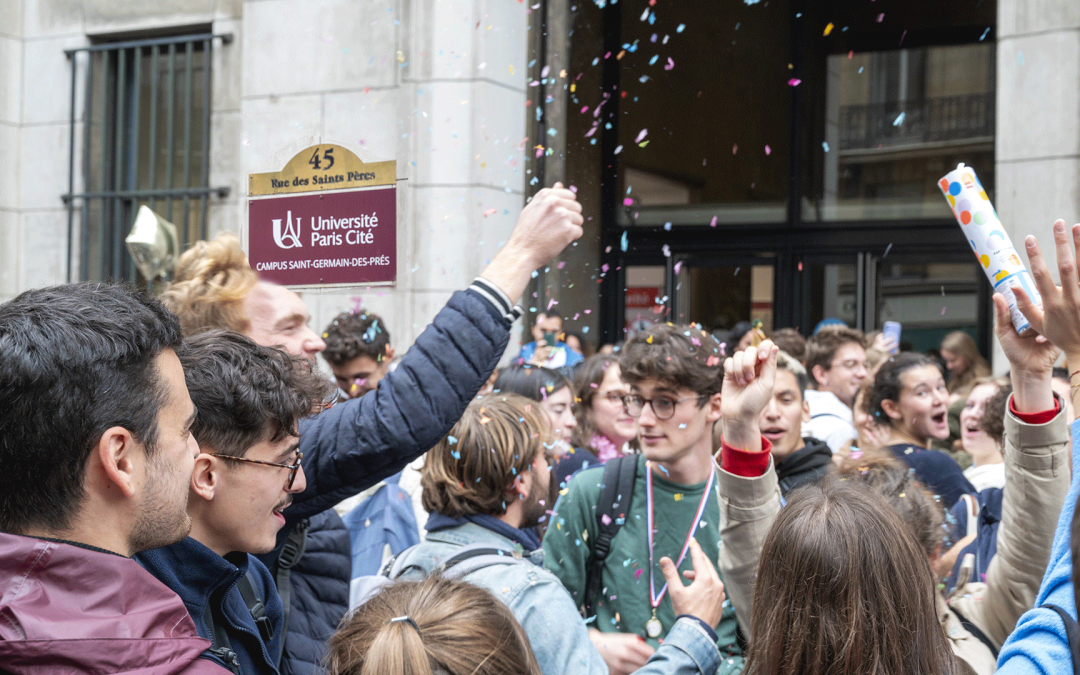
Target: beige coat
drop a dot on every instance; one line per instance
(1037, 475)
(1036, 480)
(748, 507)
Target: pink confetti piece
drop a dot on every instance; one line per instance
(627, 201)
(880, 17)
(712, 223)
(735, 149)
(678, 266)
(605, 519)
(713, 360)
(794, 82)
(670, 64)
(641, 134)
(768, 150)
(490, 211)
(638, 572)
(942, 311)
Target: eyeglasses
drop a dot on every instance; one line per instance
(662, 406)
(293, 468)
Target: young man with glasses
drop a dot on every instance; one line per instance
(250, 400)
(836, 361)
(675, 376)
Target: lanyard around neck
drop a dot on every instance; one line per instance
(654, 599)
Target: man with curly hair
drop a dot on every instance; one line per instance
(358, 351)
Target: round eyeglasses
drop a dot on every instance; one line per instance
(662, 406)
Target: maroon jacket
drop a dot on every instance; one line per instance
(66, 609)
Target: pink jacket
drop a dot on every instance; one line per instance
(65, 609)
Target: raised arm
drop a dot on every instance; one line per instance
(1036, 480)
(1039, 643)
(358, 443)
(750, 497)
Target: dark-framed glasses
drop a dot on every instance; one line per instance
(662, 406)
(293, 468)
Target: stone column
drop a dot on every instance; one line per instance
(1038, 121)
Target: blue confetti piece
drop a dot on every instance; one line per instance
(623, 243)
(825, 146)
(899, 119)
(681, 27)
(451, 440)
(983, 36)
(652, 61)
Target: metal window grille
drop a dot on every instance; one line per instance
(145, 139)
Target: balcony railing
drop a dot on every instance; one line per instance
(934, 120)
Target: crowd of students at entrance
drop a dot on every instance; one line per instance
(172, 468)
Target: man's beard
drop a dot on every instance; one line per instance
(162, 518)
(535, 507)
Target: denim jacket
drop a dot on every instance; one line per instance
(558, 634)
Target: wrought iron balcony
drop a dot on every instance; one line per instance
(927, 122)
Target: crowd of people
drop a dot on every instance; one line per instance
(186, 491)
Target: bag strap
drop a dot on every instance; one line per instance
(974, 630)
(246, 585)
(616, 496)
(475, 557)
(295, 544)
(1072, 631)
(972, 513)
(220, 646)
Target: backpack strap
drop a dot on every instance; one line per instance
(220, 646)
(246, 585)
(972, 510)
(1072, 631)
(290, 555)
(475, 557)
(979, 635)
(616, 496)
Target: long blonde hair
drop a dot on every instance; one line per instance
(436, 626)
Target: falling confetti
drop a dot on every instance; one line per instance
(794, 82)
(828, 29)
(899, 119)
(641, 134)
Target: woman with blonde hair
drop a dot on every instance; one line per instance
(436, 626)
(963, 361)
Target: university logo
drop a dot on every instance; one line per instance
(290, 238)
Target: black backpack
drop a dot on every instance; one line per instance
(616, 495)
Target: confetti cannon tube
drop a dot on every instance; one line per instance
(992, 245)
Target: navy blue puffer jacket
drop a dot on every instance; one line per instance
(355, 444)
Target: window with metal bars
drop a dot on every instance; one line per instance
(145, 139)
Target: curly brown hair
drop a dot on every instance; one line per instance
(681, 356)
(353, 334)
(246, 393)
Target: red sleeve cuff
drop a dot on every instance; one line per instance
(744, 462)
(1035, 418)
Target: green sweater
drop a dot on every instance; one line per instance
(625, 577)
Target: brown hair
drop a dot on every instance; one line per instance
(456, 629)
(894, 481)
(212, 280)
(963, 345)
(843, 588)
(496, 440)
(354, 334)
(821, 349)
(246, 393)
(992, 420)
(586, 383)
(680, 356)
(789, 340)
